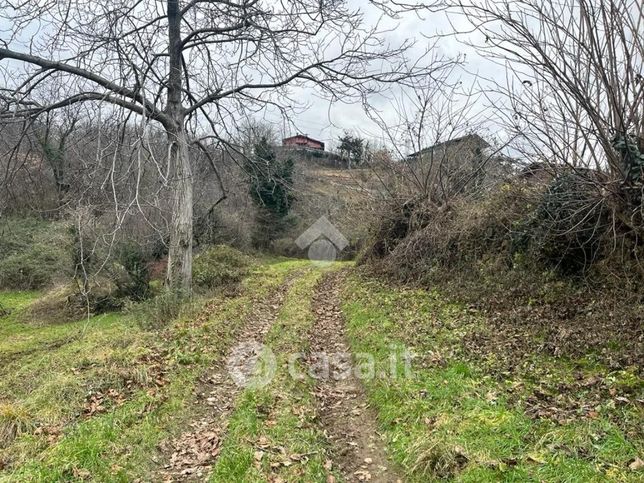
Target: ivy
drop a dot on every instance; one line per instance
(628, 147)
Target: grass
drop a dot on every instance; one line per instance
(456, 418)
(273, 433)
(92, 399)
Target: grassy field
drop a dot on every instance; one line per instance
(92, 399)
(457, 418)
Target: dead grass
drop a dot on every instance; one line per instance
(14, 421)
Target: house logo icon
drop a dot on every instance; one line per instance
(323, 240)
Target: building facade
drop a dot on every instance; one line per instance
(303, 141)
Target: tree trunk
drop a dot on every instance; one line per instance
(179, 275)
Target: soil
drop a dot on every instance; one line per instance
(348, 422)
(190, 456)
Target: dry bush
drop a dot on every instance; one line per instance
(567, 225)
(434, 458)
(547, 261)
(463, 236)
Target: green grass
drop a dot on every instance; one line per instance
(453, 419)
(52, 371)
(457, 417)
(273, 433)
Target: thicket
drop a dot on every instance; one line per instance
(33, 253)
(549, 259)
(271, 189)
(567, 226)
(220, 266)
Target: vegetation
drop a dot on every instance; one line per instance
(220, 266)
(271, 188)
(33, 253)
(150, 331)
(93, 399)
(352, 148)
(467, 415)
(273, 433)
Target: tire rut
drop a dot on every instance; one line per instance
(190, 456)
(348, 422)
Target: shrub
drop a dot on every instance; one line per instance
(287, 247)
(134, 283)
(567, 228)
(32, 253)
(28, 270)
(392, 227)
(426, 240)
(158, 312)
(220, 266)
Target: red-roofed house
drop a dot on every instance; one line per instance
(303, 141)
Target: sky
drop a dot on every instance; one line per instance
(326, 122)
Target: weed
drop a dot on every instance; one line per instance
(220, 266)
(14, 421)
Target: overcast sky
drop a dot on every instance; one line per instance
(326, 122)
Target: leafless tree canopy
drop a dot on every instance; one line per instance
(574, 73)
(192, 68)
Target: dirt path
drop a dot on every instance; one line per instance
(347, 420)
(190, 456)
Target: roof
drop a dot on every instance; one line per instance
(475, 138)
(302, 136)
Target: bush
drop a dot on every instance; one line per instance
(425, 241)
(220, 266)
(392, 227)
(287, 247)
(158, 312)
(567, 228)
(32, 253)
(134, 283)
(26, 271)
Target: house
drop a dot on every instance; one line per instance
(303, 141)
(467, 163)
(468, 146)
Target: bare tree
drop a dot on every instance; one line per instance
(574, 89)
(432, 125)
(192, 66)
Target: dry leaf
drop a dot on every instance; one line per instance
(636, 464)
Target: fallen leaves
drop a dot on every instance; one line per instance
(98, 401)
(347, 421)
(195, 450)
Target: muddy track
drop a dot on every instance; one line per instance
(190, 456)
(348, 422)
